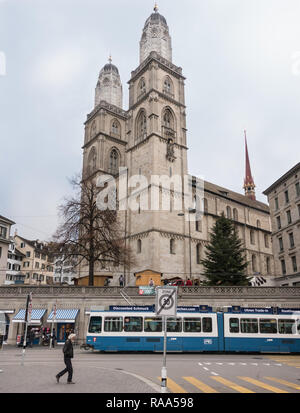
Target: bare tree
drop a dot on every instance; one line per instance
(89, 235)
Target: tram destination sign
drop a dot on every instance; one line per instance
(166, 301)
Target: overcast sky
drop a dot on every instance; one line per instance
(241, 59)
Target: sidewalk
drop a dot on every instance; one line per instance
(40, 368)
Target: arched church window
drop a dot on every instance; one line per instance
(168, 120)
(93, 129)
(92, 161)
(114, 162)
(141, 126)
(198, 253)
(116, 127)
(228, 212)
(235, 214)
(168, 86)
(252, 236)
(141, 87)
(198, 225)
(139, 246)
(268, 265)
(205, 205)
(254, 267)
(172, 246)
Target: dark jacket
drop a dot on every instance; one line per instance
(68, 349)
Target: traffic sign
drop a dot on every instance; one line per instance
(166, 301)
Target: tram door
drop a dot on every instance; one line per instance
(221, 341)
(174, 325)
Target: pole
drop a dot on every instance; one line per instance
(164, 367)
(190, 247)
(53, 318)
(28, 309)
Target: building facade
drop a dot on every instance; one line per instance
(64, 270)
(37, 264)
(5, 226)
(14, 274)
(284, 200)
(150, 140)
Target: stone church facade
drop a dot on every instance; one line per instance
(150, 139)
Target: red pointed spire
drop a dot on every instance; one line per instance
(249, 185)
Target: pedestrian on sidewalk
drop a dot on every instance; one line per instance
(68, 355)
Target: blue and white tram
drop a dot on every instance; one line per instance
(138, 329)
(262, 330)
(196, 329)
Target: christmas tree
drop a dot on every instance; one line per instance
(225, 262)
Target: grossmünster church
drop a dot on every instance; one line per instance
(150, 138)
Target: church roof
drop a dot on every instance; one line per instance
(109, 67)
(235, 196)
(156, 18)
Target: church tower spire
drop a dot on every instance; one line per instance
(156, 37)
(249, 185)
(109, 86)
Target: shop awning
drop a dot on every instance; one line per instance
(63, 315)
(36, 316)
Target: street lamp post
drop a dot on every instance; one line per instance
(190, 211)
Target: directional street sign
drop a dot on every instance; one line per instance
(166, 301)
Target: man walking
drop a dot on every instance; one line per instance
(68, 355)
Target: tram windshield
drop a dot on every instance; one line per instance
(95, 325)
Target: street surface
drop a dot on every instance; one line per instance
(140, 373)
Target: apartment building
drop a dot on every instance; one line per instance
(284, 199)
(37, 265)
(14, 274)
(5, 226)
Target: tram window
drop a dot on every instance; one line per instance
(267, 326)
(249, 325)
(133, 324)
(192, 325)
(286, 326)
(95, 325)
(174, 325)
(207, 324)
(112, 324)
(234, 325)
(152, 325)
(298, 326)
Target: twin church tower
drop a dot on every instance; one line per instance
(139, 139)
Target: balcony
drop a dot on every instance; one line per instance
(168, 133)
